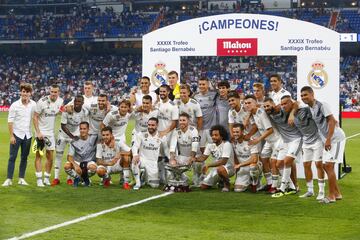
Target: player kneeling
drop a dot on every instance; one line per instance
(222, 166)
(146, 149)
(112, 157)
(81, 157)
(247, 162)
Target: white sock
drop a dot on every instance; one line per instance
(321, 183)
(57, 168)
(310, 186)
(126, 175)
(136, 172)
(47, 175)
(38, 176)
(285, 179)
(275, 181)
(268, 178)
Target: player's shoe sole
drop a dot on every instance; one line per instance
(307, 195)
(278, 194)
(291, 192)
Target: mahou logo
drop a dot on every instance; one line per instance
(237, 47)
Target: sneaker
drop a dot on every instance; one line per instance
(22, 182)
(278, 194)
(136, 187)
(69, 181)
(106, 182)
(320, 196)
(47, 181)
(126, 186)
(272, 190)
(291, 191)
(7, 183)
(307, 194)
(40, 183)
(225, 189)
(55, 182)
(76, 182)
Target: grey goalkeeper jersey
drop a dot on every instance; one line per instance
(208, 108)
(84, 150)
(306, 125)
(288, 133)
(223, 112)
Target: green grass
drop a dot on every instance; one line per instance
(195, 215)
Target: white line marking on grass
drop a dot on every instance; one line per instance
(93, 215)
(353, 136)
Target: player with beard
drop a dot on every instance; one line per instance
(44, 123)
(168, 115)
(112, 157)
(222, 165)
(142, 115)
(145, 151)
(68, 132)
(333, 138)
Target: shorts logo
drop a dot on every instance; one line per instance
(317, 77)
(160, 75)
(237, 47)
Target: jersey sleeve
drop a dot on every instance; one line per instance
(175, 113)
(173, 142)
(231, 117)
(71, 150)
(326, 109)
(123, 146)
(99, 151)
(198, 112)
(39, 107)
(254, 149)
(227, 150)
(107, 119)
(165, 147)
(266, 120)
(207, 151)
(195, 141)
(64, 116)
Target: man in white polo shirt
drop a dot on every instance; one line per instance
(19, 124)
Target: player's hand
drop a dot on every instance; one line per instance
(291, 120)
(12, 140)
(113, 162)
(254, 141)
(172, 162)
(246, 137)
(162, 133)
(328, 145)
(69, 108)
(133, 91)
(136, 159)
(205, 169)
(77, 169)
(237, 167)
(191, 160)
(40, 136)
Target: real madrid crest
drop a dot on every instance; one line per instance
(317, 77)
(159, 75)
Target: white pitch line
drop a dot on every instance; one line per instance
(353, 136)
(93, 215)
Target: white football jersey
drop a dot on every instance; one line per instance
(139, 97)
(185, 142)
(117, 122)
(192, 107)
(243, 150)
(237, 117)
(96, 116)
(276, 96)
(148, 146)
(107, 154)
(72, 122)
(89, 100)
(142, 118)
(224, 150)
(47, 111)
(168, 112)
(262, 121)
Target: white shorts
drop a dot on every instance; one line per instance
(182, 160)
(121, 138)
(313, 152)
(89, 163)
(270, 150)
(243, 177)
(49, 142)
(61, 143)
(151, 171)
(116, 168)
(205, 137)
(290, 149)
(211, 178)
(336, 153)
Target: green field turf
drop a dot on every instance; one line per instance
(195, 215)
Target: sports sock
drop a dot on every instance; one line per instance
(310, 186)
(268, 178)
(57, 168)
(321, 183)
(136, 172)
(285, 179)
(126, 175)
(275, 181)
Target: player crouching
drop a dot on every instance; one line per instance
(247, 162)
(222, 166)
(112, 157)
(81, 157)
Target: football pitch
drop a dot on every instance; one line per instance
(195, 215)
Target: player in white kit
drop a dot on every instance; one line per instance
(44, 122)
(333, 137)
(277, 90)
(118, 120)
(184, 146)
(168, 116)
(112, 157)
(222, 165)
(68, 132)
(246, 160)
(136, 95)
(145, 151)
